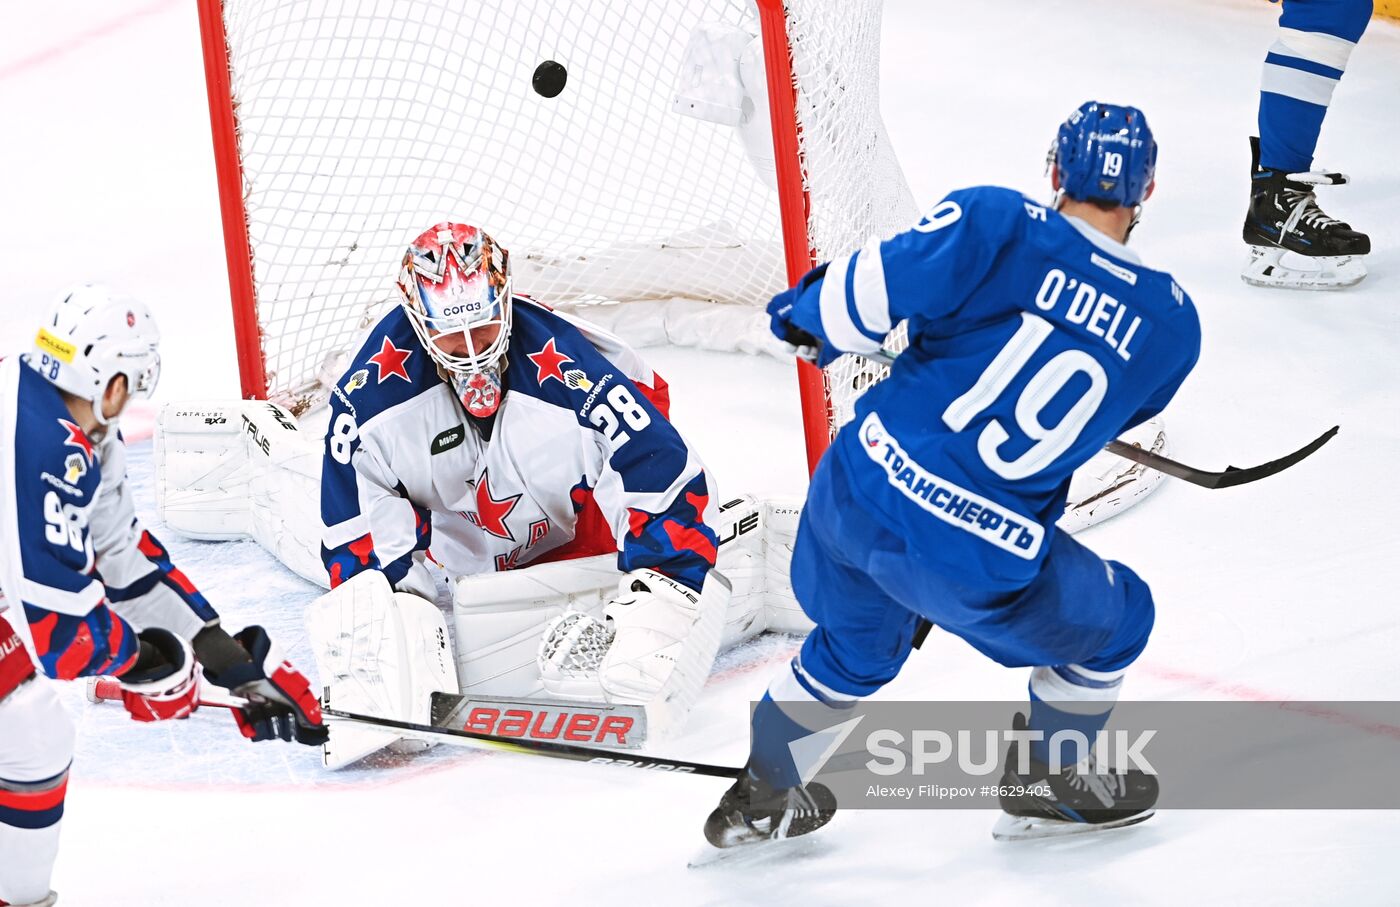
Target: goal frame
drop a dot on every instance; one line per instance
(794, 205)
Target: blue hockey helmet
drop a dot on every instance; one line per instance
(1105, 153)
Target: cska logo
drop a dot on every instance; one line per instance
(491, 512)
(77, 439)
(390, 362)
(547, 363)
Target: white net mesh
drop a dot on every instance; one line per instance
(362, 122)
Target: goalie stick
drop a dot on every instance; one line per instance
(1230, 476)
(105, 689)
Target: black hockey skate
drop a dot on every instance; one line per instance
(1292, 243)
(751, 811)
(1075, 800)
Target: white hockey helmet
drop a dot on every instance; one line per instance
(90, 336)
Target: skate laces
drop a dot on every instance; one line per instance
(1088, 776)
(1305, 211)
(774, 817)
(799, 805)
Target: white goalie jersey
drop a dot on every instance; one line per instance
(579, 459)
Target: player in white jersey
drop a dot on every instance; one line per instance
(479, 425)
(87, 590)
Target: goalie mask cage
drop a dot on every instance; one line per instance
(343, 128)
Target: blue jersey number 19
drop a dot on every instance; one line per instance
(1050, 441)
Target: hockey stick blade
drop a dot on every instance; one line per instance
(540, 747)
(1231, 476)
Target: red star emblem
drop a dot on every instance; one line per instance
(491, 513)
(77, 439)
(389, 361)
(548, 361)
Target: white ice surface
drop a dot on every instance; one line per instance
(1284, 589)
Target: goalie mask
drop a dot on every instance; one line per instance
(455, 284)
(92, 335)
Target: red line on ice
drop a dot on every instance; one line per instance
(82, 39)
(1247, 693)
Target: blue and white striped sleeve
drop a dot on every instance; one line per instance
(853, 301)
(928, 270)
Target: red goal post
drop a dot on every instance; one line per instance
(831, 160)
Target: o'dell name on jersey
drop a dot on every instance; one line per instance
(1080, 303)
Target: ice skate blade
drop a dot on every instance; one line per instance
(755, 853)
(1275, 268)
(1026, 828)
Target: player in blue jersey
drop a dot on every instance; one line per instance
(1292, 242)
(87, 590)
(1035, 337)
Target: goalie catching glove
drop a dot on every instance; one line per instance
(280, 702)
(654, 647)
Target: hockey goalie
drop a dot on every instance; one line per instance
(529, 456)
(479, 425)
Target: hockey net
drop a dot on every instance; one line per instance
(343, 128)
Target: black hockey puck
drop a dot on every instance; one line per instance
(549, 79)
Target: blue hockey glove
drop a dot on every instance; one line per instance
(801, 342)
(281, 703)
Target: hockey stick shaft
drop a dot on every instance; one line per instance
(1227, 478)
(108, 689)
(105, 689)
(540, 747)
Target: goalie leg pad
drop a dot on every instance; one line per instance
(744, 618)
(512, 625)
(379, 653)
(755, 554)
(1108, 484)
(228, 470)
(782, 613)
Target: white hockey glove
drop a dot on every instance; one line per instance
(651, 617)
(381, 653)
(654, 647)
(570, 654)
